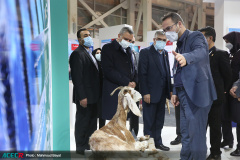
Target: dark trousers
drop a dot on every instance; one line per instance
(214, 122)
(238, 135)
(177, 117)
(85, 125)
(227, 132)
(153, 119)
(193, 122)
(226, 121)
(101, 122)
(134, 122)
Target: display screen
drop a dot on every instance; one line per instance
(25, 75)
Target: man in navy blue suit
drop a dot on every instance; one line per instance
(155, 87)
(193, 85)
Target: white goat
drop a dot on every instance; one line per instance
(115, 136)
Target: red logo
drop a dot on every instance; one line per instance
(74, 46)
(169, 43)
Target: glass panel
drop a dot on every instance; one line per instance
(112, 20)
(105, 5)
(83, 17)
(124, 12)
(157, 15)
(117, 12)
(124, 20)
(210, 21)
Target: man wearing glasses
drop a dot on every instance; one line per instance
(155, 87)
(193, 85)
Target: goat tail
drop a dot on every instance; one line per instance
(116, 89)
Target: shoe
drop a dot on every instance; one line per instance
(176, 141)
(80, 152)
(88, 147)
(236, 152)
(214, 157)
(224, 144)
(162, 147)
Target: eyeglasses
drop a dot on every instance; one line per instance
(168, 28)
(159, 39)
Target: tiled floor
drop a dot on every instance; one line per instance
(168, 134)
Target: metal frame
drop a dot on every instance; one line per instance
(100, 18)
(92, 12)
(196, 4)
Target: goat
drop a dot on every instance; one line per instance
(115, 136)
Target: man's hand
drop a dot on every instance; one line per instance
(83, 102)
(180, 58)
(174, 100)
(232, 91)
(132, 84)
(146, 98)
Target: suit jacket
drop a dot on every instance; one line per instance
(85, 76)
(196, 75)
(118, 70)
(237, 83)
(151, 80)
(221, 73)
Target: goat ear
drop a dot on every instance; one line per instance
(128, 101)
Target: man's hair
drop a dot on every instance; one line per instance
(79, 32)
(126, 29)
(157, 33)
(174, 16)
(209, 31)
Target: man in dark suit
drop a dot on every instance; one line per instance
(85, 77)
(193, 85)
(155, 87)
(118, 70)
(221, 73)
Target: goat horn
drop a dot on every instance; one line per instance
(116, 89)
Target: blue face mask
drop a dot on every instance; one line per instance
(88, 42)
(131, 46)
(160, 45)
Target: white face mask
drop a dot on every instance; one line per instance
(98, 57)
(124, 44)
(172, 35)
(229, 46)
